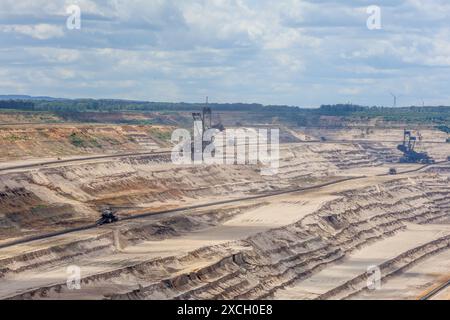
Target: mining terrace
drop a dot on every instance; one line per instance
(312, 231)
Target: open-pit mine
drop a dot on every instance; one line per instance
(343, 217)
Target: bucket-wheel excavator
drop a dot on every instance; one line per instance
(408, 149)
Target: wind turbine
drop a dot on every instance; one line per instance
(395, 98)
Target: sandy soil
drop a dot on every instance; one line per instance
(279, 212)
(361, 260)
(443, 295)
(300, 245)
(249, 223)
(415, 281)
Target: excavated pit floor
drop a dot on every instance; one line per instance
(361, 261)
(300, 245)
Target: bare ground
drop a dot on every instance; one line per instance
(301, 245)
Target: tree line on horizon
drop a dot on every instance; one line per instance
(439, 115)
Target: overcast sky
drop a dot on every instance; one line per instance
(294, 52)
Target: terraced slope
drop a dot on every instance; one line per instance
(42, 141)
(222, 261)
(72, 194)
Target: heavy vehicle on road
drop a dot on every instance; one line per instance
(392, 171)
(107, 217)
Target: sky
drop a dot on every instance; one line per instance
(293, 52)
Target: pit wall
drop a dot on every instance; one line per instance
(260, 265)
(72, 195)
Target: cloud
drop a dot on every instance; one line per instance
(277, 52)
(39, 31)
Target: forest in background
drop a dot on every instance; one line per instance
(78, 109)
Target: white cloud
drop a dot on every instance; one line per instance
(300, 52)
(38, 31)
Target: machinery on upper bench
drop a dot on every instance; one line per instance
(205, 118)
(409, 154)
